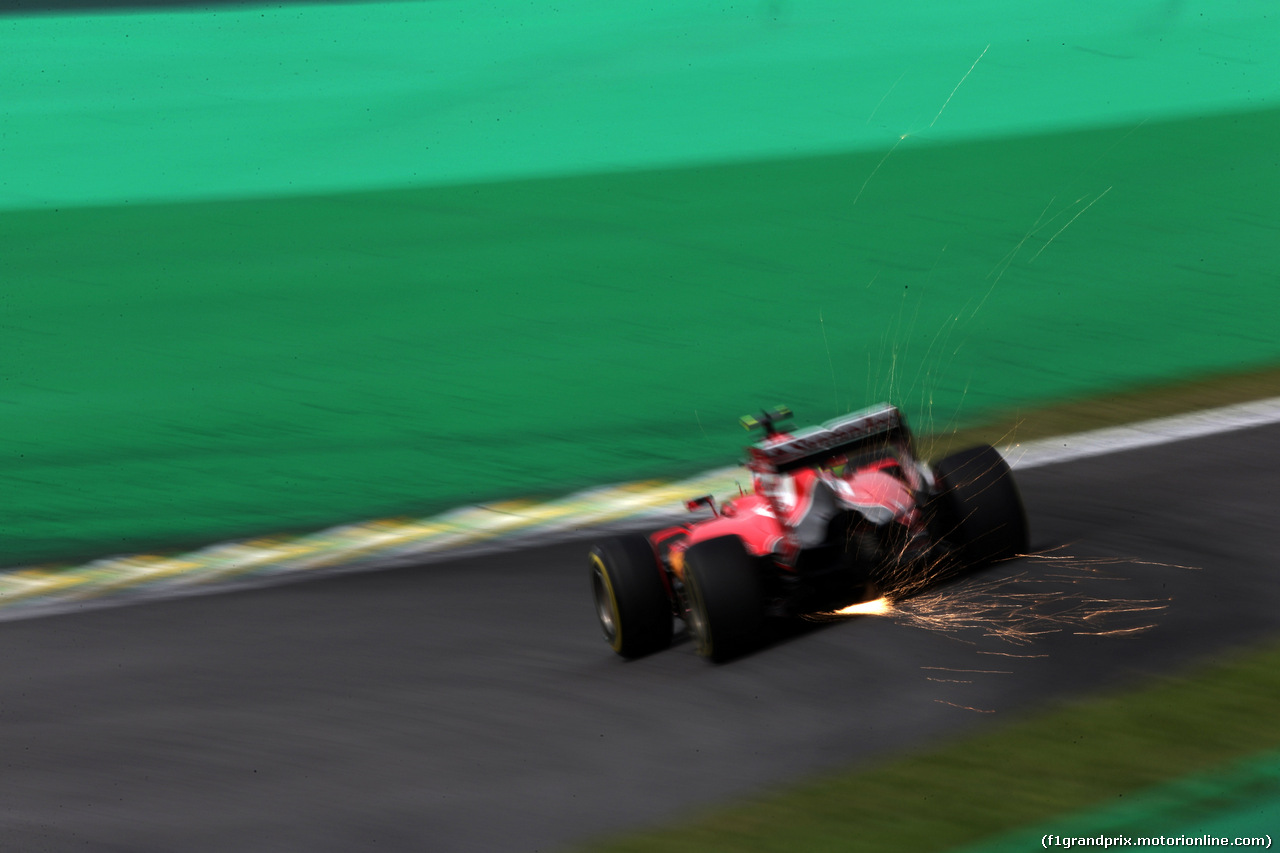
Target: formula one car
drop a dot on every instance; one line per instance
(839, 513)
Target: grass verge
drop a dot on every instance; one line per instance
(1080, 755)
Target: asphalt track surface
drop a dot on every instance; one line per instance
(472, 705)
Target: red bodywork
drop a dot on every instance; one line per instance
(754, 518)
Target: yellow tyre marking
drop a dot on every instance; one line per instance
(616, 643)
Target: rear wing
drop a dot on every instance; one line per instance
(882, 424)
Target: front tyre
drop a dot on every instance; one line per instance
(631, 599)
(726, 605)
(979, 508)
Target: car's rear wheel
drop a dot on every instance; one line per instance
(726, 605)
(632, 603)
(979, 508)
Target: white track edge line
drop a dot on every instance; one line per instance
(1100, 442)
(598, 518)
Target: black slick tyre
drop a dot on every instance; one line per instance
(979, 508)
(726, 606)
(632, 603)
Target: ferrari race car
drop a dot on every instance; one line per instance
(839, 513)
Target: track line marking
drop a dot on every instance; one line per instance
(1099, 442)
(30, 591)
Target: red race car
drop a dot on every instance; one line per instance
(839, 513)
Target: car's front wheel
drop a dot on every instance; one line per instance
(632, 603)
(726, 605)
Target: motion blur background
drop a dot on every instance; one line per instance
(277, 267)
(270, 268)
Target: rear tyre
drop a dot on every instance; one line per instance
(631, 600)
(979, 508)
(726, 604)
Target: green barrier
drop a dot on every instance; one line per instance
(126, 108)
(181, 370)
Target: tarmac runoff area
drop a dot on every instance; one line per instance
(31, 591)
